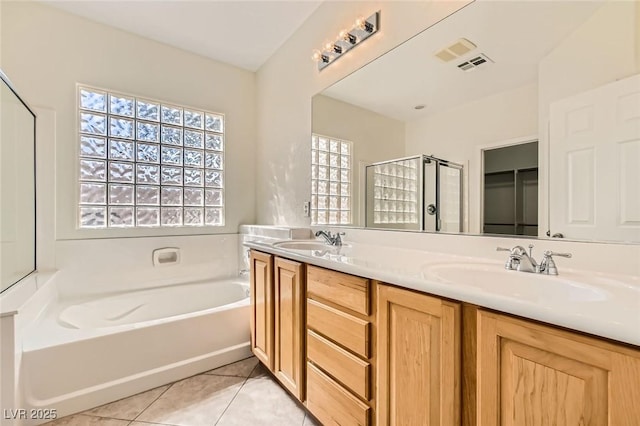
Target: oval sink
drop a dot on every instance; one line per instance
(306, 245)
(529, 286)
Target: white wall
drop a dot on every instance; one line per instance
(374, 136)
(289, 79)
(458, 134)
(46, 52)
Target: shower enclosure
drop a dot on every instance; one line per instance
(414, 193)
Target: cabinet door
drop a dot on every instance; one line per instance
(262, 307)
(418, 359)
(289, 325)
(530, 375)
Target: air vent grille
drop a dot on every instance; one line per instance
(455, 50)
(475, 62)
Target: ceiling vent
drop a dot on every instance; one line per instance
(457, 49)
(475, 62)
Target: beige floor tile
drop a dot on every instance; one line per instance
(128, 408)
(196, 401)
(84, 420)
(262, 402)
(309, 421)
(241, 368)
(260, 370)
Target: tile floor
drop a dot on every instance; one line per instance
(242, 394)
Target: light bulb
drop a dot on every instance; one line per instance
(343, 35)
(328, 46)
(316, 56)
(360, 23)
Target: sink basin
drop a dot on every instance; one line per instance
(306, 245)
(529, 286)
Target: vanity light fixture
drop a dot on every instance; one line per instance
(347, 40)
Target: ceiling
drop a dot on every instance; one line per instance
(515, 35)
(240, 33)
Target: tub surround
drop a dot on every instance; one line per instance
(602, 304)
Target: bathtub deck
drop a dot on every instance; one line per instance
(240, 394)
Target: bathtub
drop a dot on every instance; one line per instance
(81, 353)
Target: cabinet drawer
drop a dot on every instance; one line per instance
(331, 403)
(342, 289)
(347, 330)
(348, 369)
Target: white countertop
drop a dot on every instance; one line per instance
(604, 305)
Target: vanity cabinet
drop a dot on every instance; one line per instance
(277, 318)
(340, 348)
(529, 374)
(418, 359)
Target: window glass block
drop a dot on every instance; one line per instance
(333, 188)
(171, 196)
(171, 155)
(314, 172)
(148, 132)
(344, 217)
(193, 139)
(93, 147)
(171, 175)
(345, 148)
(93, 193)
(314, 142)
(171, 115)
(322, 217)
(148, 110)
(121, 105)
(334, 146)
(314, 156)
(333, 160)
(214, 217)
(214, 142)
(333, 217)
(323, 158)
(93, 100)
(120, 150)
(215, 123)
(147, 195)
(344, 162)
(323, 202)
(149, 153)
(92, 217)
(120, 194)
(93, 123)
(323, 187)
(333, 174)
(193, 119)
(323, 144)
(323, 172)
(314, 201)
(171, 135)
(193, 217)
(194, 177)
(213, 197)
(193, 197)
(93, 170)
(214, 160)
(121, 217)
(120, 172)
(121, 128)
(345, 203)
(344, 175)
(193, 158)
(147, 173)
(147, 216)
(333, 203)
(171, 216)
(213, 178)
(314, 186)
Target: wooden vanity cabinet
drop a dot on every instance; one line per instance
(530, 374)
(418, 359)
(277, 318)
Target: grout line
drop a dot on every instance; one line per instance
(234, 396)
(151, 403)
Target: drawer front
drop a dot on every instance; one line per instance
(331, 403)
(342, 289)
(348, 369)
(347, 330)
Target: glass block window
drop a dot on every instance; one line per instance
(331, 161)
(395, 192)
(145, 163)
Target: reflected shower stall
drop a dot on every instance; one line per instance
(415, 193)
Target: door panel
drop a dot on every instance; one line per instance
(262, 307)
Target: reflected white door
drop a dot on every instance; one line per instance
(595, 163)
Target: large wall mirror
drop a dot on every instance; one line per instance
(17, 187)
(534, 104)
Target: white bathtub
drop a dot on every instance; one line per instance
(83, 353)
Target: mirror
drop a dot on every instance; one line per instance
(17, 186)
(558, 80)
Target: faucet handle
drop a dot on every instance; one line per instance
(549, 253)
(503, 249)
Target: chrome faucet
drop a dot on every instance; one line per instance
(334, 240)
(520, 260)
